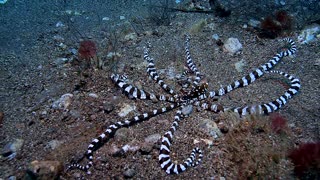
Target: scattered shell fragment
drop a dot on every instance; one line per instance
(63, 102)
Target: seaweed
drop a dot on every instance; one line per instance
(278, 123)
(280, 24)
(87, 49)
(306, 160)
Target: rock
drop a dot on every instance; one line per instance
(282, 2)
(215, 37)
(131, 37)
(45, 169)
(245, 26)
(208, 142)
(309, 33)
(113, 55)
(58, 38)
(3, 1)
(93, 95)
(63, 102)
(59, 24)
(75, 113)
(212, 26)
(129, 173)
(62, 46)
(210, 127)
(12, 178)
(105, 19)
(171, 73)
(73, 51)
(152, 139)
(54, 144)
(122, 134)
(254, 23)
(232, 45)
(60, 61)
(239, 65)
(11, 150)
(186, 110)
(115, 151)
(108, 107)
(146, 148)
(126, 109)
(131, 147)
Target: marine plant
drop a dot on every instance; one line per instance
(278, 123)
(87, 49)
(277, 25)
(306, 160)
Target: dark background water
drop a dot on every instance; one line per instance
(22, 22)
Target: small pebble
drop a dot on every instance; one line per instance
(146, 148)
(73, 51)
(282, 2)
(60, 61)
(75, 114)
(131, 148)
(129, 173)
(210, 127)
(254, 23)
(93, 95)
(240, 65)
(122, 134)
(245, 26)
(116, 151)
(59, 24)
(215, 37)
(63, 102)
(53, 144)
(108, 107)
(105, 19)
(151, 139)
(187, 110)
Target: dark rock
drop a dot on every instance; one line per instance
(146, 148)
(108, 107)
